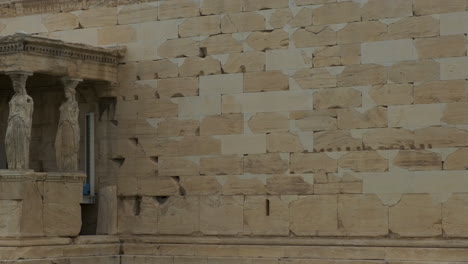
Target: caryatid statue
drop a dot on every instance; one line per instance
(67, 141)
(18, 134)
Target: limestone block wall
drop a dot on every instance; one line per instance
(279, 117)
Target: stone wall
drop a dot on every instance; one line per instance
(279, 117)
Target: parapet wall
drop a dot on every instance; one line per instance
(286, 118)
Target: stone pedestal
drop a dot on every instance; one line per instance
(36, 204)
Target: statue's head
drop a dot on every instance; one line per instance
(19, 83)
(69, 92)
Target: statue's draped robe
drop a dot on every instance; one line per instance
(18, 134)
(68, 137)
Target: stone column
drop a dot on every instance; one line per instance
(67, 141)
(18, 134)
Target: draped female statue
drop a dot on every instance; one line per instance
(18, 134)
(67, 141)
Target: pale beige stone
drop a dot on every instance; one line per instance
(388, 51)
(312, 162)
(178, 9)
(303, 18)
(365, 31)
(388, 138)
(362, 215)
(452, 68)
(173, 127)
(441, 47)
(280, 18)
(213, 7)
(414, 27)
(305, 219)
(220, 44)
(159, 186)
(222, 125)
(428, 7)
(269, 122)
(416, 215)
(392, 94)
(441, 92)
(198, 146)
(148, 70)
(98, 17)
(336, 140)
(200, 26)
(313, 2)
(350, 54)
(417, 71)
(134, 14)
(454, 215)
(315, 120)
(243, 144)
(458, 160)
(222, 165)
(327, 188)
(243, 185)
(289, 184)
(356, 75)
(453, 23)
(145, 221)
(153, 108)
(337, 98)
(271, 163)
(116, 35)
(415, 115)
(245, 62)
(60, 21)
(314, 36)
(336, 13)
(253, 5)
(372, 118)
(221, 215)
(199, 105)
(284, 142)
(277, 101)
(206, 185)
(197, 66)
(221, 84)
(177, 87)
(363, 161)
(10, 211)
(242, 22)
(266, 215)
(265, 81)
(351, 187)
(441, 137)
(62, 219)
(456, 113)
(176, 48)
(179, 216)
(172, 166)
(417, 160)
(287, 60)
(261, 41)
(327, 57)
(378, 9)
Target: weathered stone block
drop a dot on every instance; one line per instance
(253, 5)
(98, 17)
(314, 36)
(392, 94)
(221, 215)
(198, 105)
(388, 51)
(441, 47)
(441, 137)
(414, 27)
(11, 217)
(388, 138)
(314, 215)
(149, 70)
(222, 125)
(269, 122)
(213, 7)
(265, 81)
(222, 165)
(357, 75)
(206, 185)
(454, 215)
(290, 184)
(197, 66)
(143, 220)
(327, 188)
(173, 127)
(198, 146)
(243, 185)
(363, 161)
(365, 31)
(266, 215)
(245, 62)
(337, 98)
(428, 7)
(416, 215)
(362, 215)
(418, 160)
(243, 144)
(200, 26)
(313, 2)
(378, 9)
(456, 113)
(182, 47)
(410, 116)
(178, 9)
(372, 118)
(62, 219)
(336, 13)
(336, 140)
(177, 87)
(261, 41)
(242, 22)
(220, 44)
(139, 13)
(179, 215)
(458, 160)
(221, 84)
(441, 92)
(453, 23)
(270, 163)
(60, 21)
(284, 142)
(315, 120)
(172, 166)
(312, 162)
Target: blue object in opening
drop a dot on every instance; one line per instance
(87, 189)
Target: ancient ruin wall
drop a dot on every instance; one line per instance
(290, 118)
